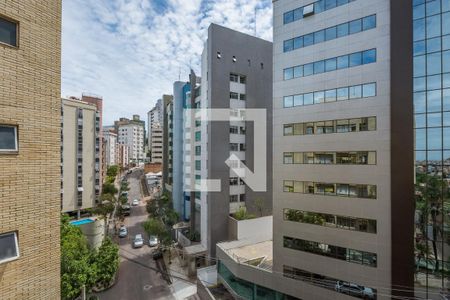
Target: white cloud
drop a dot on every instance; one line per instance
(131, 51)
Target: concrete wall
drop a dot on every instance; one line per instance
(30, 91)
(258, 227)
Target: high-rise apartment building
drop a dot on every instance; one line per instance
(122, 155)
(132, 133)
(168, 112)
(235, 78)
(80, 160)
(110, 138)
(157, 144)
(154, 118)
(431, 46)
(343, 182)
(30, 117)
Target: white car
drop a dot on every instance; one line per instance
(138, 241)
(123, 232)
(153, 241)
(135, 202)
(354, 290)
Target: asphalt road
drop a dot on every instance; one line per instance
(135, 280)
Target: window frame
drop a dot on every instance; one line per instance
(16, 243)
(16, 140)
(16, 46)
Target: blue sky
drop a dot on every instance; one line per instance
(131, 51)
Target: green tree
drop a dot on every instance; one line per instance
(112, 171)
(242, 214)
(109, 188)
(76, 268)
(107, 262)
(104, 210)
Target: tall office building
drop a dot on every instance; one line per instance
(343, 182)
(30, 117)
(343, 141)
(80, 160)
(132, 133)
(431, 48)
(233, 77)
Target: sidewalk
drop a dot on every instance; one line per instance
(182, 287)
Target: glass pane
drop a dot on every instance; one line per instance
(419, 120)
(446, 138)
(308, 99)
(434, 82)
(288, 101)
(330, 64)
(329, 4)
(434, 26)
(434, 120)
(319, 67)
(342, 94)
(308, 69)
(419, 66)
(419, 102)
(319, 97)
(8, 32)
(298, 71)
(433, 7)
(446, 118)
(434, 138)
(369, 56)
(342, 30)
(298, 42)
(419, 12)
(446, 23)
(355, 26)
(369, 22)
(420, 139)
(288, 73)
(8, 246)
(7, 138)
(445, 5)
(419, 30)
(434, 45)
(355, 59)
(419, 84)
(342, 62)
(419, 48)
(369, 90)
(288, 45)
(330, 95)
(330, 33)
(355, 92)
(288, 17)
(446, 100)
(434, 101)
(308, 40)
(434, 63)
(298, 100)
(446, 61)
(319, 36)
(446, 42)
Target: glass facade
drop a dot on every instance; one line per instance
(431, 20)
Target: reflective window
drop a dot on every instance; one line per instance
(312, 8)
(8, 138)
(9, 247)
(8, 32)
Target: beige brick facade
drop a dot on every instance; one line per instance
(30, 88)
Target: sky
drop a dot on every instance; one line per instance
(131, 51)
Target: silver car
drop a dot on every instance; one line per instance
(153, 241)
(123, 232)
(138, 241)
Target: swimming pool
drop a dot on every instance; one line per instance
(82, 222)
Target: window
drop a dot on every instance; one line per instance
(234, 77)
(242, 97)
(8, 139)
(234, 198)
(234, 95)
(198, 165)
(308, 10)
(234, 147)
(8, 32)
(9, 247)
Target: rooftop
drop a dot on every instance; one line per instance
(257, 254)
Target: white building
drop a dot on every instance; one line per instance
(132, 135)
(111, 146)
(154, 117)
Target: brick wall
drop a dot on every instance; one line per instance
(30, 80)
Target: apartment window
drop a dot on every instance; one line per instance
(242, 79)
(330, 33)
(9, 247)
(234, 147)
(234, 78)
(340, 94)
(198, 165)
(234, 181)
(234, 198)
(8, 139)
(8, 32)
(234, 95)
(333, 158)
(344, 287)
(198, 136)
(333, 221)
(242, 147)
(234, 129)
(312, 8)
(336, 252)
(242, 97)
(331, 189)
(198, 150)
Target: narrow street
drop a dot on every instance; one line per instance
(136, 279)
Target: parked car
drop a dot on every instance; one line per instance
(138, 241)
(153, 241)
(126, 209)
(354, 290)
(123, 232)
(135, 202)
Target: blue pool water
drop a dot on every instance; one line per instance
(81, 222)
